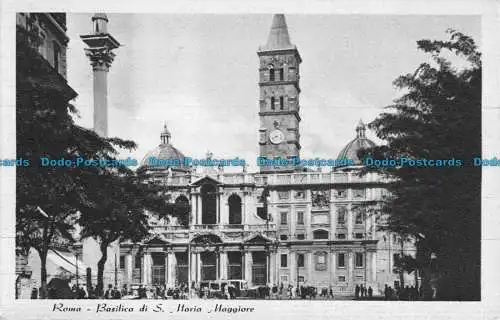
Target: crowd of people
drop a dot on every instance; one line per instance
(229, 291)
(399, 293)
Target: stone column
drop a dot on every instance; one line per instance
(248, 267)
(223, 265)
(199, 213)
(217, 266)
(217, 206)
(166, 269)
(333, 267)
(272, 268)
(310, 256)
(198, 267)
(292, 259)
(349, 222)
(194, 208)
(244, 209)
(143, 269)
(192, 267)
(333, 220)
(129, 268)
(171, 268)
(350, 268)
(373, 261)
(147, 268)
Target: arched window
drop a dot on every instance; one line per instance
(282, 103)
(234, 202)
(181, 210)
(273, 102)
(271, 74)
(208, 204)
(320, 234)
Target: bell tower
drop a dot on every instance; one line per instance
(279, 136)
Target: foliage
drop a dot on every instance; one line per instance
(437, 117)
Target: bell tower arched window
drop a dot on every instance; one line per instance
(271, 74)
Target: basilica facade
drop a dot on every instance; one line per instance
(283, 224)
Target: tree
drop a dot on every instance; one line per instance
(42, 119)
(117, 210)
(45, 129)
(437, 117)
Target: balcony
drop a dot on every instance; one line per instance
(318, 178)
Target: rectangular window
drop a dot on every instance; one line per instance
(300, 195)
(395, 261)
(122, 262)
(57, 54)
(341, 236)
(271, 74)
(358, 193)
(359, 236)
(137, 261)
(284, 279)
(284, 218)
(301, 236)
(359, 262)
(283, 237)
(282, 103)
(300, 217)
(340, 193)
(284, 260)
(341, 216)
(282, 195)
(300, 260)
(341, 278)
(282, 74)
(341, 260)
(321, 261)
(273, 102)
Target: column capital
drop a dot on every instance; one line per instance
(100, 58)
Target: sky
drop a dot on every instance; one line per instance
(199, 74)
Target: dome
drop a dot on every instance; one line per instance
(165, 155)
(102, 16)
(350, 151)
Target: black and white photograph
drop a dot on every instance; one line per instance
(231, 158)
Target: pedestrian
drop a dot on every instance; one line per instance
(386, 292)
(81, 293)
(124, 290)
(116, 293)
(34, 293)
(275, 291)
(370, 292)
(357, 289)
(331, 292)
(109, 293)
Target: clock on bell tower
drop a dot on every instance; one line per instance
(279, 97)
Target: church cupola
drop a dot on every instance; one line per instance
(361, 130)
(165, 135)
(100, 21)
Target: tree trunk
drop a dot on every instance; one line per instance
(100, 268)
(43, 275)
